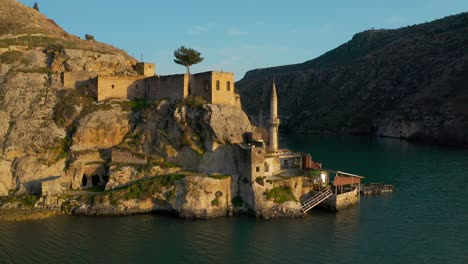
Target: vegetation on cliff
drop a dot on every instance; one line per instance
(281, 194)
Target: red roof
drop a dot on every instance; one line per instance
(343, 180)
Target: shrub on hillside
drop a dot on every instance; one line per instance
(89, 37)
(10, 57)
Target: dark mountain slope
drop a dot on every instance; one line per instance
(410, 82)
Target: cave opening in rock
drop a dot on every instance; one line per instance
(95, 180)
(84, 180)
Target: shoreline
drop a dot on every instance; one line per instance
(417, 141)
(20, 215)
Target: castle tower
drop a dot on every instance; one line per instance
(274, 120)
(146, 69)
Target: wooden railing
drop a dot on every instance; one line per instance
(316, 199)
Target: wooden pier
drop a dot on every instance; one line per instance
(376, 188)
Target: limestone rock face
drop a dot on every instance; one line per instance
(203, 197)
(102, 129)
(123, 176)
(29, 170)
(254, 197)
(6, 178)
(228, 124)
(198, 139)
(34, 59)
(220, 160)
(104, 64)
(4, 124)
(26, 108)
(194, 196)
(27, 131)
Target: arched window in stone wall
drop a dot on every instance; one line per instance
(217, 85)
(228, 86)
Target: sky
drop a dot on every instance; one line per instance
(239, 35)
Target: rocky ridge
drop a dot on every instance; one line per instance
(22, 27)
(406, 83)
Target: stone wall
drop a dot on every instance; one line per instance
(122, 87)
(72, 80)
(201, 85)
(214, 87)
(51, 187)
(174, 87)
(341, 201)
(146, 69)
(222, 91)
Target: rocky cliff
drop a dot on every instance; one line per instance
(115, 156)
(35, 137)
(409, 83)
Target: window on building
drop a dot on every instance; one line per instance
(217, 85)
(84, 180)
(112, 86)
(259, 152)
(257, 169)
(136, 86)
(267, 167)
(228, 86)
(206, 85)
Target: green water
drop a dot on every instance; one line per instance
(424, 221)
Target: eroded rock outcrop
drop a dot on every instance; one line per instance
(275, 198)
(6, 177)
(103, 128)
(121, 175)
(37, 123)
(194, 196)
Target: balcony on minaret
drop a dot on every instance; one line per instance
(275, 121)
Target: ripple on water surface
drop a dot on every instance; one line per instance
(424, 221)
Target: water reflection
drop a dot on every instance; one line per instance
(424, 221)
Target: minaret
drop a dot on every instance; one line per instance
(274, 120)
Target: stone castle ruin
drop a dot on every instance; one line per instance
(252, 159)
(215, 87)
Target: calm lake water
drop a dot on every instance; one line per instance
(424, 221)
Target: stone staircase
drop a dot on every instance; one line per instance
(316, 199)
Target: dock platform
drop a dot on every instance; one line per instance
(376, 188)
